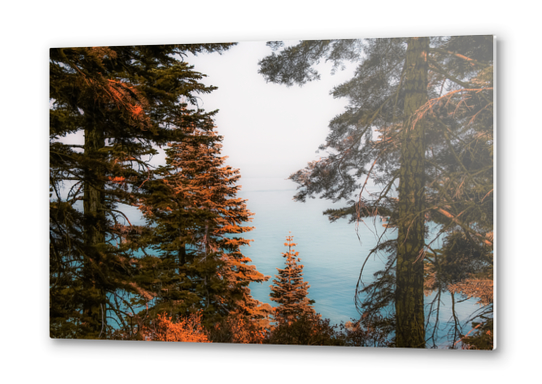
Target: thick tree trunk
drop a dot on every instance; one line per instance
(409, 303)
(94, 235)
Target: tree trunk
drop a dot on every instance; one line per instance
(409, 297)
(182, 255)
(94, 234)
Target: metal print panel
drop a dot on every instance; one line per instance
(320, 192)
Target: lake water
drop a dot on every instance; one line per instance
(331, 253)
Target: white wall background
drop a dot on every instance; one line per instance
(28, 30)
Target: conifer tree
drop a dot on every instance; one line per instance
(198, 222)
(290, 291)
(419, 124)
(124, 102)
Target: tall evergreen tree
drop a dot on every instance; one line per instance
(124, 102)
(197, 220)
(420, 114)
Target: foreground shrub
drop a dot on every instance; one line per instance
(185, 329)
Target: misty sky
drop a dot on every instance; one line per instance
(269, 130)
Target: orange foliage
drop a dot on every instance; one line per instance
(244, 332)
(187, 329)
(137, 110)
(479, 288)
(117, 179)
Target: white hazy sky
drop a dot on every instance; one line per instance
(269, 130)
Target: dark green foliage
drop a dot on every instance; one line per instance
(482, 337)
(124, 101)
(294, 64)
(317, 331)
(307, 330)
(368, 332)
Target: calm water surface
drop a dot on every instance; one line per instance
(331, 253)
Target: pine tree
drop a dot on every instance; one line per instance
(290, 291)
(125, 101)
(197, 220)
(421, 114)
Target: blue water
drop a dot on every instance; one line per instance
(331, 253)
